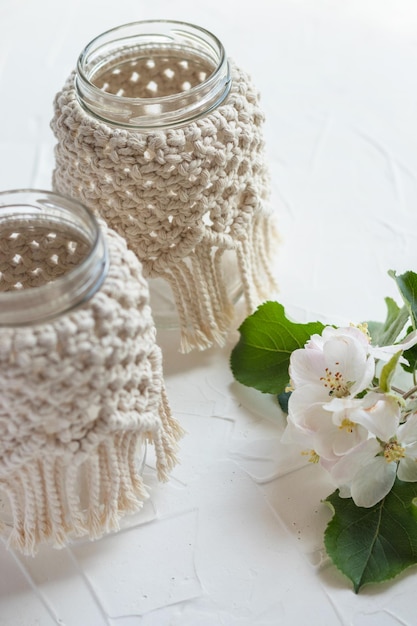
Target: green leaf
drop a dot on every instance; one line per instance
(384, 334)
(407, 284)
(283, 399)
(388, 372)
(267, 338)
(373, 545)
(411, 356)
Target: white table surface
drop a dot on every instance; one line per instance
(235, 537)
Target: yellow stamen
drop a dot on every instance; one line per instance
(347, 425)
(312, 454)
(335, 384)
(393, 451)
(364, 328)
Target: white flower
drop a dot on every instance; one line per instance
(379, 413)
(333, 366)
(337, 363)
(325, 427)
(407, 464)
(337, 417)
(368, 472)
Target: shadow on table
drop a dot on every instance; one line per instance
(175, 362)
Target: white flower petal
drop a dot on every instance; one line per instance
(346, 331)
(306, 367)
(295, 434)
(385, 352)
(408, 342)
(379, 413)
(346, 439)
(373, 482)
(344, 471)
(324, 443)
(411, 450)
(345, 356)
(303, 398)
(368, 374)
(407, 432)
(339, 405)
(315, 342)
(407, 470)
(338, 361)
(344, 491)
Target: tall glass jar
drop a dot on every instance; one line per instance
(81, 387)
(160, 134)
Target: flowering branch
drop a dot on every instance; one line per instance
(346, 413)
(410, 392)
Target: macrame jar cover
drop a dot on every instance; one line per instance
(78, 393)
(180, 196)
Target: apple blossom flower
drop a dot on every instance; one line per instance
(367, 473)
(337, 362)
(342, 421)
(378, 413)
(334, 365)
(407, 465)
(325, 427)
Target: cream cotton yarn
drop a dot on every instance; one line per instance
(78, 393)
(180, 196)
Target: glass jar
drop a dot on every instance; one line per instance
(153, 74)
(161, 135)
(53, 256)
(54, 260)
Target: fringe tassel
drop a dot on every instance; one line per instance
(17, 538)
(243, 251)
(199, 286)
(254, 255)
(166, 440)
(53, 500)
(184, 288)
(265, 239)
(76, 515)
(203, 304)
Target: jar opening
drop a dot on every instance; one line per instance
(52, 256)
(153, 74)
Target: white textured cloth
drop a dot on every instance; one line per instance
(181, 197)
(78, 394)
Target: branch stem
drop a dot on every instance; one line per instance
(410, 392)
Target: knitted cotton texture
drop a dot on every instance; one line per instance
(78, 395)
(181, 197)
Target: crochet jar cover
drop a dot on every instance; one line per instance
(78, 395)
(181, 197)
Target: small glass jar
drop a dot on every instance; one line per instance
(160, 134)
(53, 256)
(54, 261)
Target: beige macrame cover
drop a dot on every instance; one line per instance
(77, 396)
(180, 197)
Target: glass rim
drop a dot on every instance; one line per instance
(222, 69)
(23, 299)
